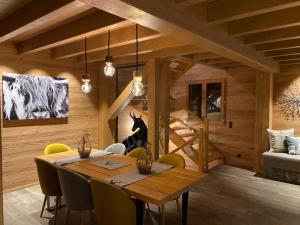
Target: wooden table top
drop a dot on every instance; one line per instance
(157, 189)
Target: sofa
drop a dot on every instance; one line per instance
(282, 167)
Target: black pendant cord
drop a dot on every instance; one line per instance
(108, 43)
(137, 47)
(85, 57)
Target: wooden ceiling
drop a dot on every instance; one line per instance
(262, 34)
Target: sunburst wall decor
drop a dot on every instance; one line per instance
(288, 103)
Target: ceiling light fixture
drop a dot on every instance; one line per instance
(138, 88)
(109, 69)
(86, 86)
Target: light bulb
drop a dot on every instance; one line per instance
(109, 69)
(86, 87)
(138, 88)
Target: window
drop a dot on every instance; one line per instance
(207, 99)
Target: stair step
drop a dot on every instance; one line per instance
(187, 134)
(179, 128)
(172, 121)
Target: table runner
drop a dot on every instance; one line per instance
(109, 164)
(73, 159)
(134, 176)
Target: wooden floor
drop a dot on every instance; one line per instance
(228, 196)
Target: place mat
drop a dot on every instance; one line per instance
(109, 164)
(73, 159)
(134, 175)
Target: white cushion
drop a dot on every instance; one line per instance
(117, 148)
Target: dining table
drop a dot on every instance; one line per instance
(156, 189)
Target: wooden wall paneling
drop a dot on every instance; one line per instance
(107, 96)
(164, 111)
(263, 107)
(22, 143)
(153, 68)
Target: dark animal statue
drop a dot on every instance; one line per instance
(139, 138)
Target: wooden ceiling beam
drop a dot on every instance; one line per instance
(188, 3)
(287, 58)
(119, 37)
(187, 26)
(88, 26)
(161, 53)
(283, 52)
(34, 13)
(227, 64)
(295, 43)
(265, 22)
(274, 35)
(144, 46)
(291, 62)
(204, 56)
(215, 61)
(221, 11)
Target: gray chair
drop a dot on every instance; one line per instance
(77, 192)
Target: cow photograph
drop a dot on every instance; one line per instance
(34, 97)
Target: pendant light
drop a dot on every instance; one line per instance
(86, 86)
(137, 86)
(109, 69)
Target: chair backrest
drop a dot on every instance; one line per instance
(135, 152)
(112, 205)
(117, 148)
(173, 159)
(48, 178)
(56, 148)
(76, 190)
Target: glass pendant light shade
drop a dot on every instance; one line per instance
(109, 69)
(86, 86)
(138, 88)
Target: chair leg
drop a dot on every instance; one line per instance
(48, 204)
(178, 208)
(82, 217)
(162, 215)
(67, 216)
(91, 215)
(56, 209)
(43, 207)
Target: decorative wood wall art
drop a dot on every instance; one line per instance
(288, 103)
(34, 97)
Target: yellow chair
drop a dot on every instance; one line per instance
(135, 152)
(112, 205)
(49, 183)
(56, 148)
(173, 159)
(179, 162)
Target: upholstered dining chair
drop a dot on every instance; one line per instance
(116, 148)
(135, 152)
(56, 148)
(77, 192)
(179, 162)
(112, 205)
(49, 183)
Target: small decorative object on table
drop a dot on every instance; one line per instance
(85, 147)
(144, 160)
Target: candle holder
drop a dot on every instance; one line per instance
(144, 160)
(85, 147)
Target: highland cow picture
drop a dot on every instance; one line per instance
(34, 97)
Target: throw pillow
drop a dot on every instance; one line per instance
(277, 139)
(293, 145)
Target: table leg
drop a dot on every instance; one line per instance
(185, 206)
(140, 205)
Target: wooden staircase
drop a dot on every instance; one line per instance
(187, 132)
